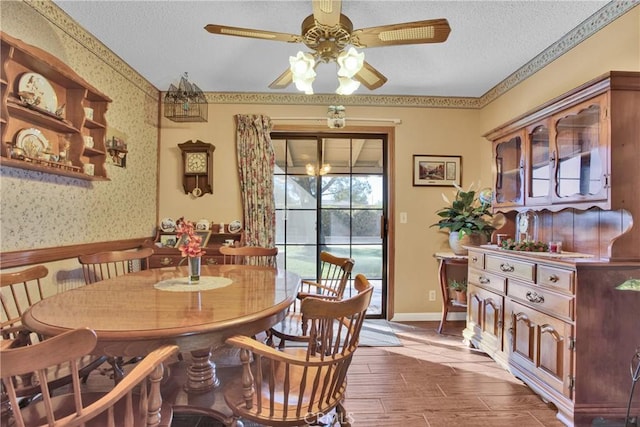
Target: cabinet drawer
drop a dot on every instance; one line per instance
(513, 268)
(555, 278)
(487, 280)
(476, 260)
(159, 261)
(542, 299)
(211, 260)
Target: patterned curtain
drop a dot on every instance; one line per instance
(256, 160)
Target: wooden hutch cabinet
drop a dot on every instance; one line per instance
(52, 120)
(572, 149)
(556, 321)
(170, 256)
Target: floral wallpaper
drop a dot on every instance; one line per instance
(40, 210)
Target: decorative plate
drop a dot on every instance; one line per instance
(168, 224)
(32, 142)
(43, 94)
(235, 226)
(202, 225)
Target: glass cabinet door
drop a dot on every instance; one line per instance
(509, 171)
(539, 167)
(581, 153)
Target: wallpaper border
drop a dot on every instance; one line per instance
(590, 26)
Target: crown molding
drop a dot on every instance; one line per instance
(590, 26)
(58, 17)
(609, 13)
(331, 99)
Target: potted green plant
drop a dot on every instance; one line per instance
(460, 287)
(468, 219)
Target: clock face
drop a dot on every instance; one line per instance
(196, 163)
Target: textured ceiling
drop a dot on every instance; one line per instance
(489, 41)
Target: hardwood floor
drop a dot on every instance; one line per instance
(431, 381)
(437, 381)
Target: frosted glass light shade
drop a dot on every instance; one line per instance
(350, 62)
(347, 86)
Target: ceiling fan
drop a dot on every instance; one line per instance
(328, 33)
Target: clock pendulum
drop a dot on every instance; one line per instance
(197, 192)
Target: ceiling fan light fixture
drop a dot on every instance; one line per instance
(347, 86)
(302, 66)
(304, 85)
(323, 170)
(303, 73)
(350, 62)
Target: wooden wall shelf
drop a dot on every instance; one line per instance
(75, 173)
(64, 134)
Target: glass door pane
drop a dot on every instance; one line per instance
(540, 173)
(329, 197)
(579, 162)
(509, 171)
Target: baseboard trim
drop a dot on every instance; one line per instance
(426, 317)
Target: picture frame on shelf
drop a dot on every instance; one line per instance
(436, 171)
(204, 234)
(168, 240)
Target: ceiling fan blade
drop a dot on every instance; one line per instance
(284, 80)
(429, 31)
(327, 12)
(256, 34)
(370, 77)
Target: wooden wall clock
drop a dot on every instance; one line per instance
(197, 167)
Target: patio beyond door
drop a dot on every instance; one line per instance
(330, 196)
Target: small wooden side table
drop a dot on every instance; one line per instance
(449, 305)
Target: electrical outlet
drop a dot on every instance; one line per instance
(432, 295)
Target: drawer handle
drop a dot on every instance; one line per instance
(553, 278)
(534, 297)
(507, 268)
(484, 280)
(166, 261)
(211, 261)
(474, 259)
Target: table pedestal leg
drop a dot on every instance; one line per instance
(201, 374)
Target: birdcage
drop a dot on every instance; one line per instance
(185, 103)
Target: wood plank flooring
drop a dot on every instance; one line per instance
(431, 381)
(437, 381)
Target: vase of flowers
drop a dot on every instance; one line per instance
(190, 248)
(468, 219)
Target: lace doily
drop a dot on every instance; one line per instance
(181, 284)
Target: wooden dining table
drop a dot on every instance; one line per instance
(135, 313)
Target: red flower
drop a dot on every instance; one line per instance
(191, 246)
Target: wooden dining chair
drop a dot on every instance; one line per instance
(135, 401)
(19, 290)
(334, 274)
(299, 386)
(106, 265)
(249, 255)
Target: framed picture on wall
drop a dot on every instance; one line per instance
(436, 171)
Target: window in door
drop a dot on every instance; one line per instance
(329, 193)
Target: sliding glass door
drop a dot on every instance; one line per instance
(330, 196)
